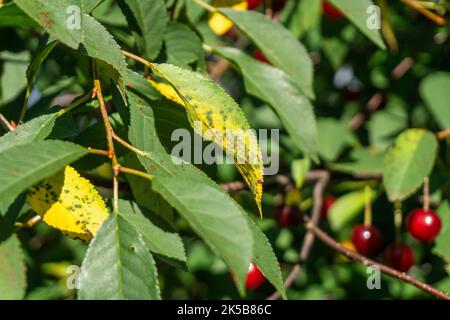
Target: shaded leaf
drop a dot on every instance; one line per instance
(118, 265)
(442, 247)
(12, 269)
(276, 88)
(280, 47)
(435, 91)
(210, 211)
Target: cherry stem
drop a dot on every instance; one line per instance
(426, 194)
(398, 220)
(427, 13)
(367, 206)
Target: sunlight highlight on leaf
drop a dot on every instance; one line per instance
(70, 203)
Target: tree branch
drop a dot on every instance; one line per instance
(330, 242)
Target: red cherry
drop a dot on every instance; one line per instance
(399, 256)
(253, 4)
(327, 203)
(258, 55)
(331, 11)
(254, 277)
(287, 216)
(278, 5)
(424, 225)
(366, 239)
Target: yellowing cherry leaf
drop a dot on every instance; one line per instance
(69, 203)
(220, 117)
(220, 24)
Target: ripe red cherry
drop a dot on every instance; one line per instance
(287, 216)
(253, 4)
(366, 239)
(254, 277)
(424, 225)
(331, 11)
(399, 256)
(258, 55)
(327, 203)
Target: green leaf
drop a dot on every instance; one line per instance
(183, 46)
(347, 208)
(53, 17)
(149, 24)
(219, 116)
(23, 166)
(265, 259)
(12, 269)
(357, 11)
(210, 211)
(34, 130)
(12, 16)
(365, 162)
(408, 162)
(299, 169)
(442, 247)
(276, 88)
(331, 138)
(118, 265)
(60, 22)
(157, 240)
(280, 47)
(435, 91)
(38, 58)
(13, 79)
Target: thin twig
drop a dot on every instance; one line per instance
(137, 58)
(98, 152)
(136, 173)
(427, 13)
(23, 112)
(426, 194)
(322, 177)
(377, 99)
(109, 137)
(5, 123)
(442, 135)
(330, 242)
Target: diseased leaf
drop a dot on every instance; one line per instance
(276, 88)
(23, 166)
(12, 269)
(117, 265)
(280, 47)
(157, 240)
(210, 211)
(265, 259)
(363, 14)
(408, 162)
(220, 120)
(69, 203)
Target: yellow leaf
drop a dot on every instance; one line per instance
(69, 203)
(220, 24)
(219, 115)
